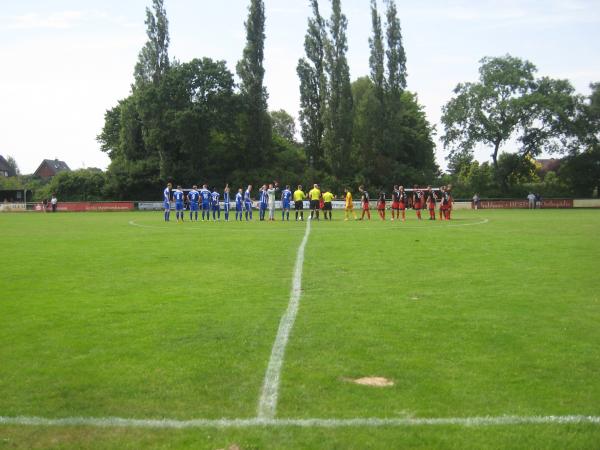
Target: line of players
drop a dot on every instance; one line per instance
(208, 202)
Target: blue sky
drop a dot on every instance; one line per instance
(64, 62)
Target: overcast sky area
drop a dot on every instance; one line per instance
(65, 62)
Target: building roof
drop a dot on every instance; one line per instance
(54, 165)
(5, 167)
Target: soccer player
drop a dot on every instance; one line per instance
(226, 202)
(216, 209)
(167, 201)
(286, 197)
(273, 188)
(248, 202)
(327, 205)
(403, 202)
(381, 205)
(239, 204)
(314, 196)
(417, 201)
(364, 199)
(193, 199)
(349, 208)
(444, 202)
(178, 196)
(450, 200)
(263, 202)
(430, 199)
(206, 200)
(395, 203)
(299, 197)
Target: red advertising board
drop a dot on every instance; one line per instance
(94, 206)
(509, 204)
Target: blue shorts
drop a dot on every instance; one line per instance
(179, 206)
(215, 207)
(193, 206)
(205, 207)
(225, 206)
(238, 207)
(248, 206)
(263, 206)
(286, 205)
(167, 205)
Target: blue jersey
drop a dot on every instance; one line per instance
(193, 196)
(286, 196)
(226, 197)
(247, 198)
(178, 196)
(167, 195)
(205, 193)
(215, 198)
(238, 199)
(264, 197)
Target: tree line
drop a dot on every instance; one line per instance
(190, 122)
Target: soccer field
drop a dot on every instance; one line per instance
(118, 330)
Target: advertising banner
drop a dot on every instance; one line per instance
(524, 204)
(94, 206)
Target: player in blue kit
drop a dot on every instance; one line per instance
(206, 196)
(178, 197)
(226, 202)
(193, 199)
(263, 202)
(286, 199)
(239, 204)
(248, 202)
(167, 201)
(216, 209)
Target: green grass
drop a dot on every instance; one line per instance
(101, 318)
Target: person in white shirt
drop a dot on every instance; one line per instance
(54, 202)
(271, 202)
(531, 199)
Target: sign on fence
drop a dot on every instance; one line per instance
(524, 204)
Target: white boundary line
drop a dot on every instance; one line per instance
(117, 422)
(267, 404)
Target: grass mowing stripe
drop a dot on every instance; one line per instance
(267, 404)
(117, 422)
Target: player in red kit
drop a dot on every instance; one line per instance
(430, 199)
(381, 205)
(450, 199)
(403, 202)
(365, 203)
(417, 201)
(395, 203)
(444, 203)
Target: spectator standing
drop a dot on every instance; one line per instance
(54, 202)
(531, 199)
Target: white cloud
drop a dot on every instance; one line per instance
(59, 20)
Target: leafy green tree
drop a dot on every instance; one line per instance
(338, 131)
(12, 164)
(257, 129)
(284, 125)
(153, 60)
(313, 87)
(396, 56)
(377, 64)
(82, 184)
(508, 105)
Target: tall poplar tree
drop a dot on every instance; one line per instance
(313, 87)
(396, 57)
(153, 59)
(338, 131)
(377, 65)
(251, 72)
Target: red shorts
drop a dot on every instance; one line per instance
(396, 205)
(431, 205)
(417, 205)
(381, 205)
(402, 206)
(365, 206)
(443, 207)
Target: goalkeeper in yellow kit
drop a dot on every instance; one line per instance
(349, 205)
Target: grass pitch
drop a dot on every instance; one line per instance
(122, 315)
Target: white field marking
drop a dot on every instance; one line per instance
(117, 422)
(267, 404)
(413, 227)
(206, 228)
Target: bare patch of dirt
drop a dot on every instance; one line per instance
(373, 381)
